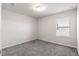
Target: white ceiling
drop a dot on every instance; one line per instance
(50, 8)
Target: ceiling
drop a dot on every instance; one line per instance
(27, 8)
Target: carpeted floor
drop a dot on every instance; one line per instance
(39, 48)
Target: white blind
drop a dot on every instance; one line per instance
(62, 27)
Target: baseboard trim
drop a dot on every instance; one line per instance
(59, 44)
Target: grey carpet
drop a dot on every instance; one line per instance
(39, 48)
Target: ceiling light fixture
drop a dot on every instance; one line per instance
(38, 7)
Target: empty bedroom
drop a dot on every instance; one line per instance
(39, 29)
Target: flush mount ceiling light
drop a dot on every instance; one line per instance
(38, 7)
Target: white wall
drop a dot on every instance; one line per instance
(78, 28)
(17, 28)
(47, 28)
(0, 28)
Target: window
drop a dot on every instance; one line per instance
(62, 27)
